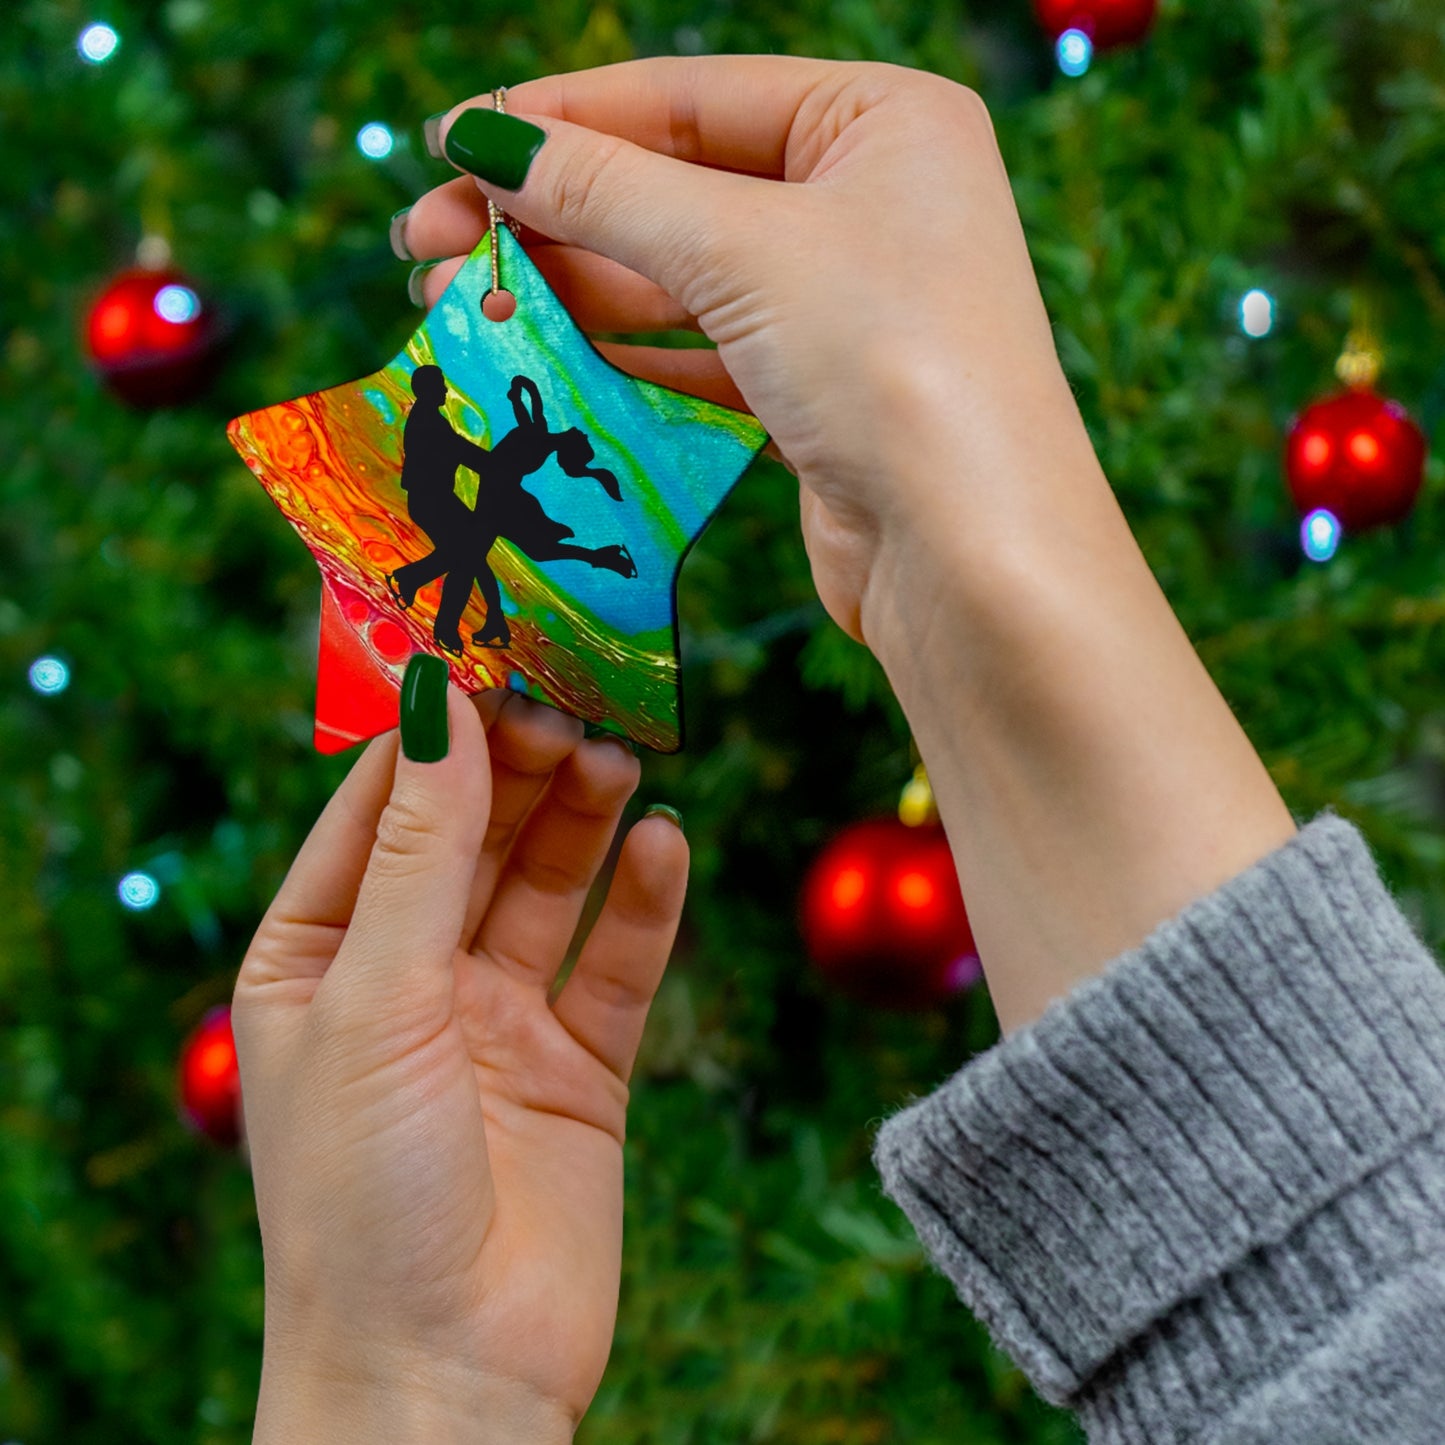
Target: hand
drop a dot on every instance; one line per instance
(885, 289)
(436, 1149)
(847, 235)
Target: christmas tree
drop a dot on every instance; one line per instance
(158, 625)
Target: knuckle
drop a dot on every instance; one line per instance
(936, 103)
(407, 833)
(927, 92)
(870, 83)
(617, 991)
(961, 107)
(550, 876)
(650, 912)
(887, 74)
(576, 196)
(974, 110)
(684, 129)
(969, 100)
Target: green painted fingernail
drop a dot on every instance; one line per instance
(596, 730)
(431, 133)
(414, 291)
(397, 234)
(671, 814)
(498, 148)
(424, 735)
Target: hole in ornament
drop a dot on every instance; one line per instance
(499, 305)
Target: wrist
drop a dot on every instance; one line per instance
(979, 508)
(321, 1403)
(1092, 779)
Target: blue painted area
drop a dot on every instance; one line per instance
(382, 403)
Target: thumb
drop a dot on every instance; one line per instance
(394, 966)
(676, 223)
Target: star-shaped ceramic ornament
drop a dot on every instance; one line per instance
(501, 495)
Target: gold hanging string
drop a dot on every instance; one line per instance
(495, 214)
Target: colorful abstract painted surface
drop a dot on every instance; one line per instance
(531, 460)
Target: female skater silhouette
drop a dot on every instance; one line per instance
(462, 537)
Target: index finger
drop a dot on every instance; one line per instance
(736, 112)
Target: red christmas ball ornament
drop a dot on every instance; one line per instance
(152, 337)
(1357, 455)
(210, 1080)
(883, 916)
(1107, 23)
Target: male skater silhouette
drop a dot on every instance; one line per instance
(461, 538)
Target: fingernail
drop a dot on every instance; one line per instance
(596, 730)
(414, 283)
(499, 148)
(424, 735)
(431, 133)
(671, 814)
(398, 235)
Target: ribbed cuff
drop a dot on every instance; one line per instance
(1176, 1157)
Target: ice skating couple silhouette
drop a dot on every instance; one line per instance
(462, 537)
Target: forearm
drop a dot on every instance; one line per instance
(1092, 779)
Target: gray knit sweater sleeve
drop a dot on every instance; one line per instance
(1202, 1198)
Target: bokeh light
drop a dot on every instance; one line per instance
(97, 43)
(1364, 448)
(965, 970)
(914, 889)
(138, 891)
(375, 141)
(1256, 313)
(1315, 451)
(177, 304)
(1075, 52)
(849, 887)
(1320, 535)
(49, 675)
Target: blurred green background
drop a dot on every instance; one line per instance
(770, 1291)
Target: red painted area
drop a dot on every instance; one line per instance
(390, 641)
(355, 697)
